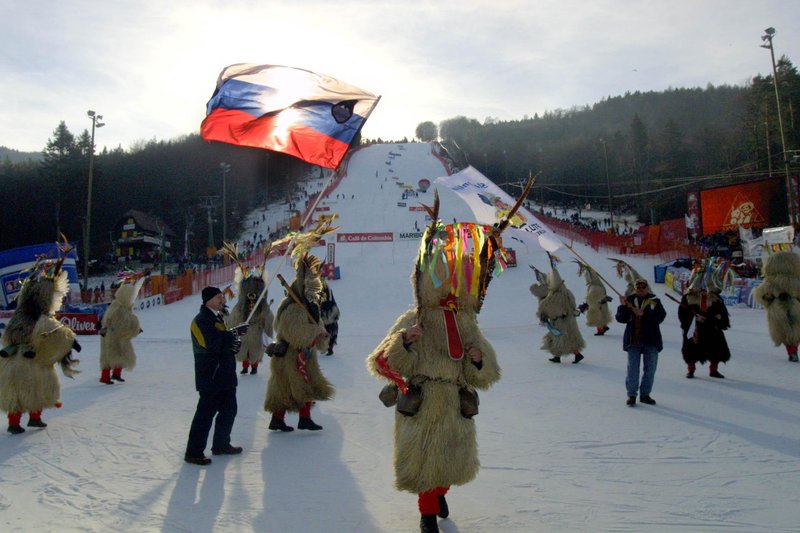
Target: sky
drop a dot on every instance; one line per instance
(150, 67)
(559, 449)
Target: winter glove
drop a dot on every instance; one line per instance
(236, 346)
(76, 346)
(583, 307)
(607, 299)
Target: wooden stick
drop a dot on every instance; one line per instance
(296, 298)
(571, 249)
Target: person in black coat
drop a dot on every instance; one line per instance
(214, 349)
(642, 313)
(707, 341)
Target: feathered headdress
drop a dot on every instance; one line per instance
(303, 242)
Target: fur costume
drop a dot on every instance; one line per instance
(249, 284)
(627, 272)
(296, 378)
(330, 315)
(34, 342)
(118, 328)
(780, 295)
(598, 315)
(560, 309)
(437, 446)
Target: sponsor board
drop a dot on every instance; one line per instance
(324, 208)
(416, 208)
(401, 204)
(149, 303)
(365, 237)
(411, 235)
(80, 323)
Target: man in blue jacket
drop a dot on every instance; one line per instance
(214, 347)
(642, 314)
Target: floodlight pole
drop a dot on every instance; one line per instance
(96, 123)
(767, 38)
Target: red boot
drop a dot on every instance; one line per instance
(792, 352)
(105, 376)
(13, 423)
(117, 375)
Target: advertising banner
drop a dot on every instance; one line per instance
(15, 262)
(80, 323)
(750, 205)
(365, 237)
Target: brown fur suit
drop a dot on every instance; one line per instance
(34, 342)
(560, 309)
(780, 295)
(118, 328)
(437, 447)
(288, 389)
(249, 287)
(598, 315)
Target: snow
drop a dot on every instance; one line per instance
(560, 450)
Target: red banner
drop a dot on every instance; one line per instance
(749, 205)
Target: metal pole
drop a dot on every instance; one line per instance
(608, 186)
(87, 232)
(225, 168)
(768, 33)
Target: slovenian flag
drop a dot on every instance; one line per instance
(289, 110)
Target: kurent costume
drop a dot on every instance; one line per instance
(434, 357)
(598, 314)
(249, 283)
(703, 307)
(628, 273)
(559, 311)
(214, 347)
(296, 379)
(642, 313)
(117, 330)
(33, 342)
(780, 295)
(330, 316)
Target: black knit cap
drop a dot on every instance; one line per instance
(210, 292)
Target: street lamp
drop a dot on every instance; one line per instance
(225, 168)
(96, 123)
(767, 39)
(608, 186)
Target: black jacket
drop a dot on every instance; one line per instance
(214, 360)
(644, 331)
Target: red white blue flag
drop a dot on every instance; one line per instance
(286, 109)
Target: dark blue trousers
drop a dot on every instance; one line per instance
(219, 403)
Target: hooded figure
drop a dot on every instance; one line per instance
(330, 315)
(434, 356)
(703, 307)
(627, 272)
(117, 330)
(559, 311)
(780, 296)
(250, 282)
(598, 315)
(33, 342)
(296, 378)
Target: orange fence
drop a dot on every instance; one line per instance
(648, 240)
